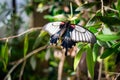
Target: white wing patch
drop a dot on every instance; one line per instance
(52, 27)
(82, 34)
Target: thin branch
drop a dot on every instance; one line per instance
(111, 73)
(102, 48)
(100, 66)
(102, 8)
(77, 2)
(29, 30)
(23, 59)
(108, 8)
(116, 78)
(60, 67)
(22, 70)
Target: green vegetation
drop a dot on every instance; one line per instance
(27, 54)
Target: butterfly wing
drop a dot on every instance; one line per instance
(52, 27)
(81, 34)
(67, 42)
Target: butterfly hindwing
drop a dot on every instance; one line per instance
(67, 42)
(80, 34)
(52, 27)
(55, 37)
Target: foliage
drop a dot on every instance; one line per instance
(102, 20)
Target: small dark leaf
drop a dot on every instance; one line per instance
(108, 20)
(107, 53)
(39, 39)
(102, 43)
(117, 45)
(118, 5)
(86, 6)
(95, 52)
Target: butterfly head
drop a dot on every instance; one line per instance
(65, 24)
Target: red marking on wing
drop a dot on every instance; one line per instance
(73, 26)
(62, 23)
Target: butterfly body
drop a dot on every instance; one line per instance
(68, 33)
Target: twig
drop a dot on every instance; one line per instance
(116, 78)
(78, 73)
(22, 70)
(102, 48)
(77, 2)
(100, 67)
(23, 59)
(71, 10)
(113, 73)
(108, 8)
(102, 7)
(29, 30)
(60, 67)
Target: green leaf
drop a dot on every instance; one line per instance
(112, 37)
(93, 29)
(102, 43)
(49, 17)
(77, 58)
(107, 53)
(4, 54)
(105, 19)
(90, 62)
(26, 42)
(118, 5)
(39, 39)
(53, 63)
(94, 20)
(60, 17)
(95, 52)
(33, 62)
(117, 45)
(86, 6)
(108, 20)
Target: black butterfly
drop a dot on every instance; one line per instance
(68, 33)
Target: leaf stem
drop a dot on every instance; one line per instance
(102, 8)
(71, 10)
(60, 67)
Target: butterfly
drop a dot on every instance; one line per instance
(69, 34)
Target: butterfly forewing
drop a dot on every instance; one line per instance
(52, 27)
(81, 34)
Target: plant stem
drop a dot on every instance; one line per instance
(102, 48)
(100, 66)
(102, 8)
(24, 58)
(29, 30)
(22, 70)
(71, 10)
(60, 67)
